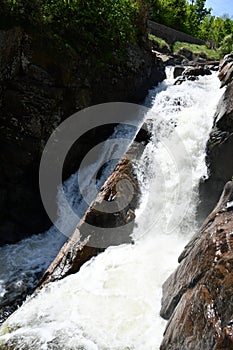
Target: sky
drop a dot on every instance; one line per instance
(221, 7)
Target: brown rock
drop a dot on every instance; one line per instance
(226, 70)
(198, 296)
(101, 227)
(220, 144)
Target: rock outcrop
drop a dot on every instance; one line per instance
(42, 82)
(101, 227)
(196, 71)
(190, 73)
(198, 296)
(220, 145)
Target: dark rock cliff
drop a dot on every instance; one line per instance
(220, 145)
(197, 297)
(42, 82)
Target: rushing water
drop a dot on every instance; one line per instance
(114, 300)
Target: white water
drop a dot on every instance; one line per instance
(22, 264)
(114, 301)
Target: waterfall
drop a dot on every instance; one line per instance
(113, 302)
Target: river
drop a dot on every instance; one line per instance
(113, 302)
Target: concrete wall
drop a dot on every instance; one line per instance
(171, 35)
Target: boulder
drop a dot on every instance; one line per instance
(178, 70)
(226, 70)
(101, 227)
(196, 71)
(198, 296)
(181, 79)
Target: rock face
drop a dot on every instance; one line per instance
(226, 70)
(220, 146)
(42, 82)
(198, 296)
(101, 227)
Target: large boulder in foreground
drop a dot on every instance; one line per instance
(219, 157)
(198, 296)
(108, 221)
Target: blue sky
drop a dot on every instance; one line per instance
(220, 7)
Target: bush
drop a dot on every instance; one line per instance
(226, 45)
(97, 24)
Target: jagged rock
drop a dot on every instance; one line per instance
(226, 70)
(195, 71)
(178, 70)
(101, 227)
(42, 82)
(198, 296)
(181, 79)
(219, 154)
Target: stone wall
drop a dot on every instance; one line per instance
(171, 35)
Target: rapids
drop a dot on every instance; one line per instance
(113, 302)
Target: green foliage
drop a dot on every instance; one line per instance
(214, 29)
(105, 26)
(172, 13)
(196, 14)
(226, 45)
(162, 44)
(197, 50)
(95, 24)
(192, 17)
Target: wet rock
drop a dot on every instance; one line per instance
(42, 82)
(108, 221)
(198, 296)
(196, 71)
(219, 154)
(181, 79)
(178, 70)
(226, 70)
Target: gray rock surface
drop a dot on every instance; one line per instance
(219, 157)
(42, 82)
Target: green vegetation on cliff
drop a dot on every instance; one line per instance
(107, 26)
(94, 25)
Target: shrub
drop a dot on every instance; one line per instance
(97, 24)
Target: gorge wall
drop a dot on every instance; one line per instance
(197, 297)
(42, 82)
(220, 145)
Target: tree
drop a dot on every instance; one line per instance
(172, 13)
(200, 10)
